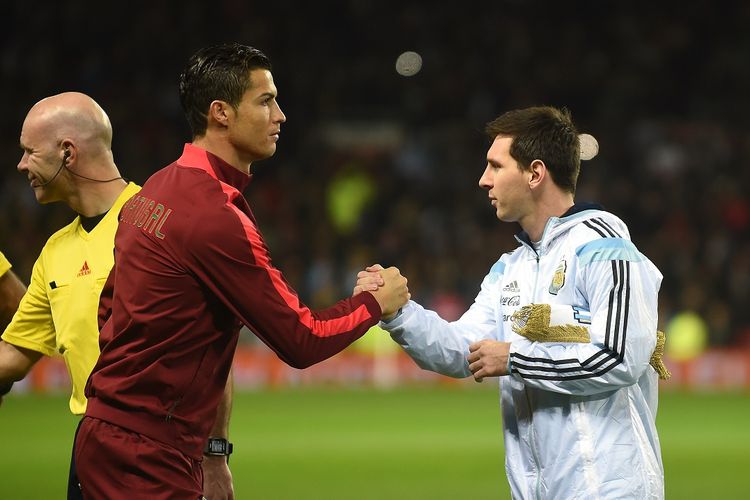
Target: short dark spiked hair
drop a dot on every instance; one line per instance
(219, 72)
(542, 133)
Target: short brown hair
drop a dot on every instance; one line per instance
(542, 133)
(217, 72)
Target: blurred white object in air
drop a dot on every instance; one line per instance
(589, 146)
(408, 64)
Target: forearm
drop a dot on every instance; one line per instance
(435, 344)
(15, 362)
(582, 368)
(11, 291)
(217, 478)
(220, 428)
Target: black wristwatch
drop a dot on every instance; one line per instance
(218, 447)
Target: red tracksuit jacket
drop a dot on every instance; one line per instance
(190, 268)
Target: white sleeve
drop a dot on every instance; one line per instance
(439, 346)
(621, 286)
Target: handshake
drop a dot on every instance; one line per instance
(386, 285)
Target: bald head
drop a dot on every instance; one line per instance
(74, 117)
(67, 153)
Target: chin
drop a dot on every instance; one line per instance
(262, 155)
(505, 217)
(42, 199)
(44, 196)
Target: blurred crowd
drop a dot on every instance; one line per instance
(376, 167)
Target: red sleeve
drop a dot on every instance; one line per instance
(234, 262)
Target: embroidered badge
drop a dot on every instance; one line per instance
(558, 279)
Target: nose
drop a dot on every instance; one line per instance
(280, 116)
(22, 164)
(485, 181)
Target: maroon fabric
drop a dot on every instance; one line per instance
(114, 464)
(190, 268)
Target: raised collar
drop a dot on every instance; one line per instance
(195, 157)
(523, 237)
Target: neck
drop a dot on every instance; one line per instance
(217, 144)
(91, 199)
(535, 222)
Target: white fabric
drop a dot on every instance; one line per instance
(578, 418)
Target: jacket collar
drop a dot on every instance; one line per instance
(195, 157)
(553, 222)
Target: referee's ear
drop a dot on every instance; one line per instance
(68, 152)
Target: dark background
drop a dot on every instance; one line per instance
(663, 86)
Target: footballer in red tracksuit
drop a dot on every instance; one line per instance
(190, 268)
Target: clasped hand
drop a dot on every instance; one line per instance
(388, 287)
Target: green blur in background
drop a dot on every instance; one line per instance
(410, 443)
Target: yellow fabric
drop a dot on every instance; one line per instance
(4, 264)
(656, 357)
(533, 322)
(58, 314)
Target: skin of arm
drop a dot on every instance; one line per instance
(217, 478)
(11, 291)
(15, 364)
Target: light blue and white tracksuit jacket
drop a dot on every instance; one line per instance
(578, 418)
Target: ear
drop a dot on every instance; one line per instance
(538, 171)
(68, 151)
(219, 112)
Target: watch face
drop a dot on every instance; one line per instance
(217, 446)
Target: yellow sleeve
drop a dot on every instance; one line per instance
(32, 326)
(4, 264)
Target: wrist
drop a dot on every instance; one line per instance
(388, 319)
(218, 447)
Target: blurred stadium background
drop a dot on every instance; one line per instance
(373, 166)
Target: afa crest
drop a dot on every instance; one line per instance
(558, 279)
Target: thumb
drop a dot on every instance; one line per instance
(374, 267)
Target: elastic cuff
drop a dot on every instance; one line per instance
(387, 321)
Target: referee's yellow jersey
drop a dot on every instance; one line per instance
(4, 264)
(58, 314)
